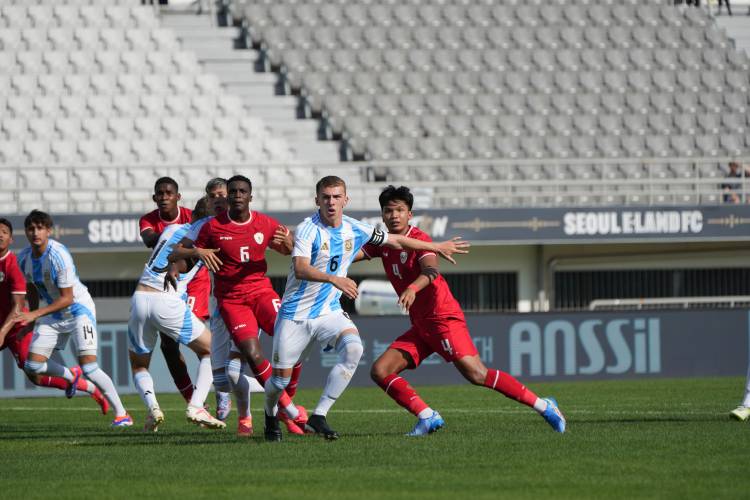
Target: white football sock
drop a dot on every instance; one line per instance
(145, 385)
(240, 384)
(274, 387)
(202, 382)
(350, 351)
(746, 401)
(540, 405)
(426, 413)
(55, 369)
(104, 383)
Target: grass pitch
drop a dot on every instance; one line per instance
(625, 439)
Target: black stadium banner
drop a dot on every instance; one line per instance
(92, 232)
(535, 347)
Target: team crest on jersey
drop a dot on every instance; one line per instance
(385, 253)
(404, 256)
(2, 276)
(348, 245)
(258, 237)
(325, 246)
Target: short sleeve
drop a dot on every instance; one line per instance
(303, 241)
(145, 223)
(203, 240)
(368, 234)
(423, 237)
(64, 268)
(195, 229)
(15, 278)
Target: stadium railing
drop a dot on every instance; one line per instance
(670, 303)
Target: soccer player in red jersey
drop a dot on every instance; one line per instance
(233, 246)
(166, 196)
(438, 325)
(17, 336)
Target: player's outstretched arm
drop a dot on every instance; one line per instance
(283, 240)
(304, 271)
(64, 300)
(207, 255)
(444, 248)
(18, 302)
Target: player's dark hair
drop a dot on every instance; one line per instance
(214, 183)
(6, 222)
(242, 178)
(166, 180)
(38, 217)
(201, 209)
(393, 193)
(329, 181)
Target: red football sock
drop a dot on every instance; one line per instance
(507, 385)
(185, 386)
(262, 374)
(404, 394)
(291, 389)
(56, 382)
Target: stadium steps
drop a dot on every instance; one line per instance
(737, 28)
(236, 69)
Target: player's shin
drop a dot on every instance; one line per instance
(349, 351)
(507, 385)
(105, 384)
(54, 382)
(274, 389)
(49, 367)
(404, 394)
(202, 382)
(291, 389)
(240, 385)
(145, 385)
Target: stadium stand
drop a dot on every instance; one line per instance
(488, 104)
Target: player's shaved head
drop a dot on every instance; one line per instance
(329, 181)
(38, 218)
(240, 178)
(166, 180)
(393, 193)
(5, 222)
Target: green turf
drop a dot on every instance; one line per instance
(625, 439)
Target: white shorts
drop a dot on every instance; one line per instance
(221, 342)
(154, 312)
(54, 335)
(293, 338)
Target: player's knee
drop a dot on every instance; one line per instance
(233, 370)
(378, 373)
(89, 368)
(350, 351)
(474, 374)
(33, 368)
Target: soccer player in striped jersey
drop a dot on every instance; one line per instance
(156, 307)
(17, 336)
(67, 310)
(167, 196)
(438, 325)
(324, 247)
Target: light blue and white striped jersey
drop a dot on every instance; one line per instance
(330, 250)
(156, 268)
(52, 271)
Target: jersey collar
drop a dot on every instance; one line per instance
(248, 221)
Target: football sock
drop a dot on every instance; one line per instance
(55, 369)
(202, 382)
(350, 350)
(240, 384)
(403, 394)
(263, 374)
(274, 390)
(54, 382)
(291, 389)
(185, 386)
(426, 413)
(507, 385)
(145, 385)
(746, 401)
(221, 383)
(104, 383)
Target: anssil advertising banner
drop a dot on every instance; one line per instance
(532, 347)
(92, 232)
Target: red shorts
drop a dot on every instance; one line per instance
(18, 341)
(449, 337)
(243, 316)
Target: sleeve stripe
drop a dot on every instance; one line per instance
(425, 255)
(365, 252)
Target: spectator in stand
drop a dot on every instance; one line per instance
(733, 191)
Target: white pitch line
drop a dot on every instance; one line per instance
(398, 410)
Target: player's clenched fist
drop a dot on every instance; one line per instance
(346, 285)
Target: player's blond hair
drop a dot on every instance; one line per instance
(329, 181)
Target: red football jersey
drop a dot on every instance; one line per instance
(199, 291)
(242, 251)
(402, 268)
(11, 281)
(152, 220)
